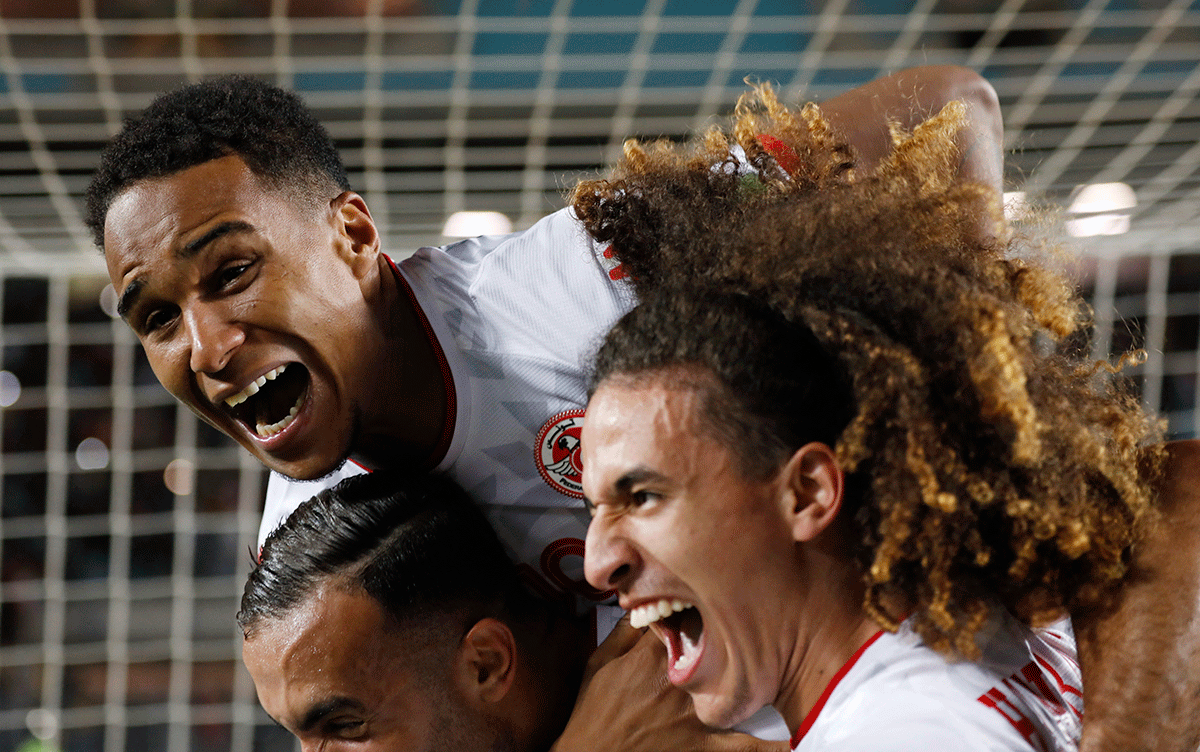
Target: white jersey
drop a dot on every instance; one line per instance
(517, 319)
(898, 695)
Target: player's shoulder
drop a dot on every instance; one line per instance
(553, 231)
(921, 714)
(897, 735)
(902, 695)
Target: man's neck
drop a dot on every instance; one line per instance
(555, 651)
(405, 417)
(833, 627)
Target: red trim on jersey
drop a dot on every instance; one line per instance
(1065, 688)
(443, 444)
(618, 272)
(811, 718)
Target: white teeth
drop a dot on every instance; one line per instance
(267, 431)
(648, 613)
(253, 387)
(685, 660)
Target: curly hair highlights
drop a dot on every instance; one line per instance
(271, 129)
(995, 461)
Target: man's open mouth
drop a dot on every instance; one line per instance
(679, 624)
(271, 402)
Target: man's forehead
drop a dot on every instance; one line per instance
(169, 218)
(335, 650)
(329, 604)
(626, 406)
(639, 429)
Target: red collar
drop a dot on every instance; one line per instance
(811, 718)
(443, 444)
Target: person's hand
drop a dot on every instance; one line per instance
(626, 704)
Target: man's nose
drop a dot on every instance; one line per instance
(214, 337)
(609, 559)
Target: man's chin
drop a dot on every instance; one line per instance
(297, 471)
(308, 477)
(719, 712)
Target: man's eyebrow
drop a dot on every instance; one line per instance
(129, 297)
(318, 712)
(636, 476)
(133, 289)
(221, 230)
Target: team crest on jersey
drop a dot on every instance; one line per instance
(557, 453)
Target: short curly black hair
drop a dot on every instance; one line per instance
(270, 128)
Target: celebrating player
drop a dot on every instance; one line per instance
(385, 612)
(852, 475)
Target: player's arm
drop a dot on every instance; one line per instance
(1141, 660)
(909, 98)
(626, 704)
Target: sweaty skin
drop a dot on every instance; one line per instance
(338, 673)
(225, 282)
(672, 512)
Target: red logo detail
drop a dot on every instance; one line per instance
(617, 272)
(557, 453)
(785, 155)
(552, 565)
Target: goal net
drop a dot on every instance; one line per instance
(128, 525)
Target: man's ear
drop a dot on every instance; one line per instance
(486, 664)
(357, 235)
(813, 490)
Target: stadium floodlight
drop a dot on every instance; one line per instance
(470, 224)
(1100, 209)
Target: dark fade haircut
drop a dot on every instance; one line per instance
(767, 385)
(415, 543)
(280, 140)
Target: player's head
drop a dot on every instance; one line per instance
(385, 611)
(707, 451)
(980, 462)
(269, 128)
(246, 267)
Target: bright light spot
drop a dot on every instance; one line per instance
(468, 224)
(1100, 209)
(91, 454)
(1016, 206)
(1098, 224)
(179, 477)
(10, 389)
(108, 301)
(42, 723)
(1102, 197)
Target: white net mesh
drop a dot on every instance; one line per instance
(127, 524)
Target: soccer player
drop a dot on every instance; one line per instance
(851, 474)
(385, 613)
